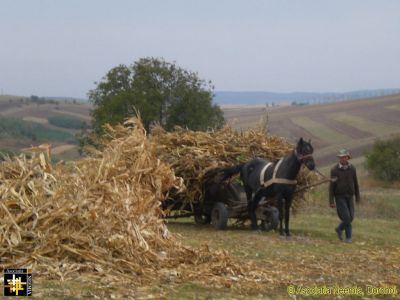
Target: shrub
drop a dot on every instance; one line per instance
(383, 161)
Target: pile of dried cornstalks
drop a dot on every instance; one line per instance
(101, 216)
(192, 154)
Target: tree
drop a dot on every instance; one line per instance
(383, 161)
(161, 91)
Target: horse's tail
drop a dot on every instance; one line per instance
(229, 172)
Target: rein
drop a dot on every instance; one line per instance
(324, 180)
(323, 176)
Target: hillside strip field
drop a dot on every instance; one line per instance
(320, 130)
(27, 114)
(352, 124)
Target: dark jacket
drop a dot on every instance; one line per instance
(346, 183)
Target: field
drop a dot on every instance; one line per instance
(351, 124)
(36, 116)
(314, 257)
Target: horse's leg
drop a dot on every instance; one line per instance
(249, 193)
(288, 203)
(280, 208)
(249, 196)
(252, 209)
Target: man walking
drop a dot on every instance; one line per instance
(342, 190)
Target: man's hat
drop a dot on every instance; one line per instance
(343, 152)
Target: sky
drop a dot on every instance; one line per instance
(62, 47)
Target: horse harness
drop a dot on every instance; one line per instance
(273, 180)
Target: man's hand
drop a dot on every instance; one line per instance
(332, 205)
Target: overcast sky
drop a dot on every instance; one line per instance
(60, 48)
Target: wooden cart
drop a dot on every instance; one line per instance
(224, 200)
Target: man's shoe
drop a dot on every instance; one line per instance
(339, 234)
(349, 241)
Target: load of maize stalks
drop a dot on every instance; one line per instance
(193, 154)
(100, 217)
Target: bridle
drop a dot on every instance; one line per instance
(303, 158)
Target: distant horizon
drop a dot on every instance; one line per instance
(385, 90)
(3, 93)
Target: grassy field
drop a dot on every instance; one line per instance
(313, 257)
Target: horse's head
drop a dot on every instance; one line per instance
(304, 152)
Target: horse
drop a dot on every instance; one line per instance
(273, 179)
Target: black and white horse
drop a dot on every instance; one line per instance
(273, 179)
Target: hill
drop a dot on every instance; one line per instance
(25, 122)
(351, 124)
(273, 99)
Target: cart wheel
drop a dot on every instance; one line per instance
(202, 219)
(273, 220)
(219, 216)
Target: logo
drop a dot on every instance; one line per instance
(17, 282)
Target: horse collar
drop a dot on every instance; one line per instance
(273, 180)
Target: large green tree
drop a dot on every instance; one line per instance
(162, 92)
